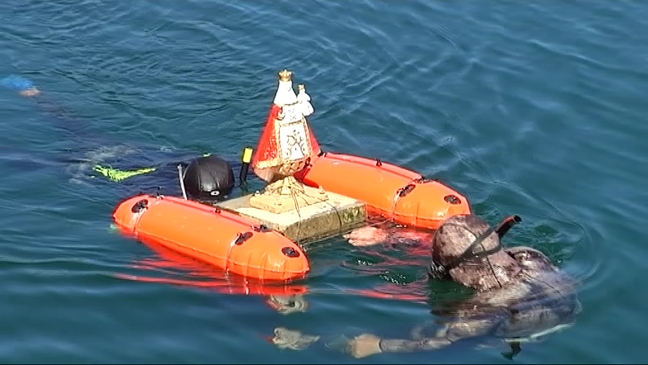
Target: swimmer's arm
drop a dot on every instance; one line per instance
(368, 345)
(402, 345)
(371, 235)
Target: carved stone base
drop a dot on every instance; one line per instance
(333, 217)
(287, 194)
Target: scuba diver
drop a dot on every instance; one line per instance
(206, 178)
(519, 295)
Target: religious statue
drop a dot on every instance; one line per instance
(285, 147)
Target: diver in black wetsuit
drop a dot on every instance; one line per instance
(206, 178)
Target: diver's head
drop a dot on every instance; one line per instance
(208, 178)
(468, 249)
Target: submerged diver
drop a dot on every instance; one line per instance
(204, 178)
(519, 294)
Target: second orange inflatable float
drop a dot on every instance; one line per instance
(401, 195)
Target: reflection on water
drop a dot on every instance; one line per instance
(172, 268)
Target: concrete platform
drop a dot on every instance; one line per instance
(336, 215)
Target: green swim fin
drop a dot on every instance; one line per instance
(119, 175)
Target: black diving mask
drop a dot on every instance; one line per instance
(438, 271)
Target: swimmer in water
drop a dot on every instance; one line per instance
(519, 295)
(205, 178)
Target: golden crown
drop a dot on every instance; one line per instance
(285, 75)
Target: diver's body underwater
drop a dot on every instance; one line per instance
(138, 169)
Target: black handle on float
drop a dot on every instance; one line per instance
(246, 158)
(506, 224)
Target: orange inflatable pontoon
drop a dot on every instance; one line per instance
(401, 195)
(226, 240)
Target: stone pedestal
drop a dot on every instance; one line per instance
(311, 222)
